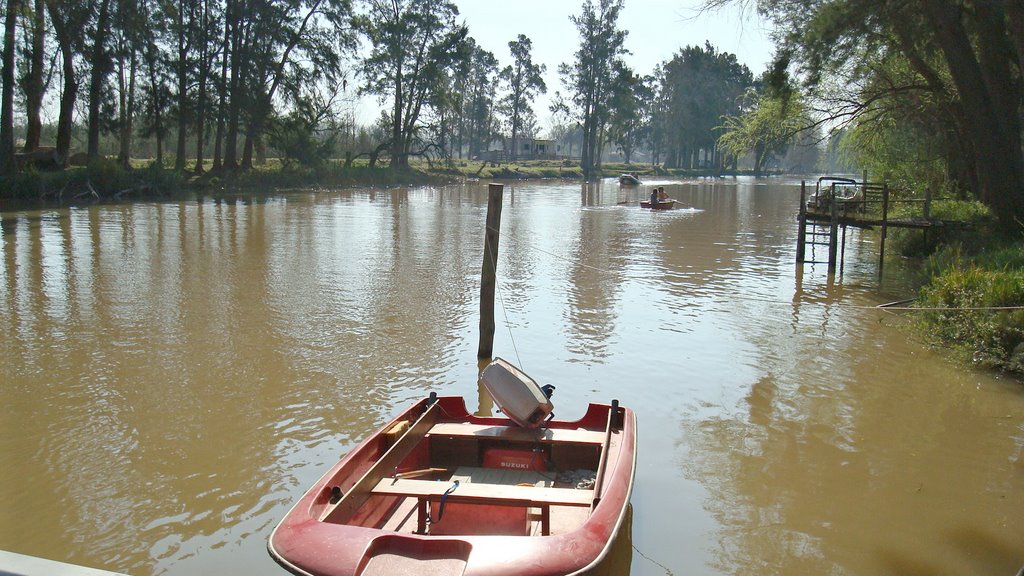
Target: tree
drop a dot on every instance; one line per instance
(182, 17)
(7, 101)
(699, 87)
(295, 45)
(770, 122)
(66, 19)
(629, 125)
(524, 81)
(968, 53)
(33, 83)
(478, 119)
(415, 43)
(597, 67)
(101, 66)
(128, 31)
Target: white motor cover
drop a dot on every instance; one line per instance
(518, 395)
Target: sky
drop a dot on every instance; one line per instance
(657, 29)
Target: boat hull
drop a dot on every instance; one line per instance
(319, 536)
(661, 205)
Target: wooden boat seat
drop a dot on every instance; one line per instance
(576, 436)
(543, 497)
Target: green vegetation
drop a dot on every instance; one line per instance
(974, 303)
(105, 179)
(102, 178)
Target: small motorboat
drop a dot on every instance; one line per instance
(659, 205)
(847, 191)
(629, 180)
(440, 491)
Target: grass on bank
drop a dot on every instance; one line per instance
(973, 292)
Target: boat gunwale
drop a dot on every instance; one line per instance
(603, 518)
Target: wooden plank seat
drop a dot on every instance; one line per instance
(426, 491)
(515, 433)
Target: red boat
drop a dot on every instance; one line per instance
(660, 205)
(438, 491)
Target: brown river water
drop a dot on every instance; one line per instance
(174, 375)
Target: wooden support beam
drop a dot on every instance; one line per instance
(385, 466)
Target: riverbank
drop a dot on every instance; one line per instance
(106, 180)
(973, 303)
(972, 297)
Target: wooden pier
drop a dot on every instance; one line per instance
(836, 203)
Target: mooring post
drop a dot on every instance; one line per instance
(833, 235)
(801, 235)
(488, 272)
(885, 228)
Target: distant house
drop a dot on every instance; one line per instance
(530, 148)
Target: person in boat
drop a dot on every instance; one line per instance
(654, 197)
(662, 195)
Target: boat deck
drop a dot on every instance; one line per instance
(475, 478)
(552, 508)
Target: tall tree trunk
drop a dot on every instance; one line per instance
(7, 100)
(248, 147)
(97, 77)
(70, 89)
(222, 89)
(34, 83)
(990, 106)
(183, 102)
(158, 105)
(127, 105)
(234, 93)
(201, 96)
(397, 144)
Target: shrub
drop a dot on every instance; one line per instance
(971, 304)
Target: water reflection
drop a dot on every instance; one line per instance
(176, 374)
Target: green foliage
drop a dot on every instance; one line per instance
(971, 305)
(598, 66)
(300, 139)
(963, 222)
(697, 89)
(767, 129)
(525, 80)
(415, 80)
(931, 89)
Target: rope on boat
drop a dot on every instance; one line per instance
(504, 310)
(440, 507)
(652, 560)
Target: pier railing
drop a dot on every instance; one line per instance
(836, 203)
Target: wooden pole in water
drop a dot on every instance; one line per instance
(885, 228)
(833, 235)
(488, 272)
(801, 235)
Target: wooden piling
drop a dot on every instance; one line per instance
(833, 233)
(488, 272)
(885, 228)
(801, 236)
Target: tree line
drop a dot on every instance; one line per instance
(222, 79)
(214, 83)
(928, 91)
